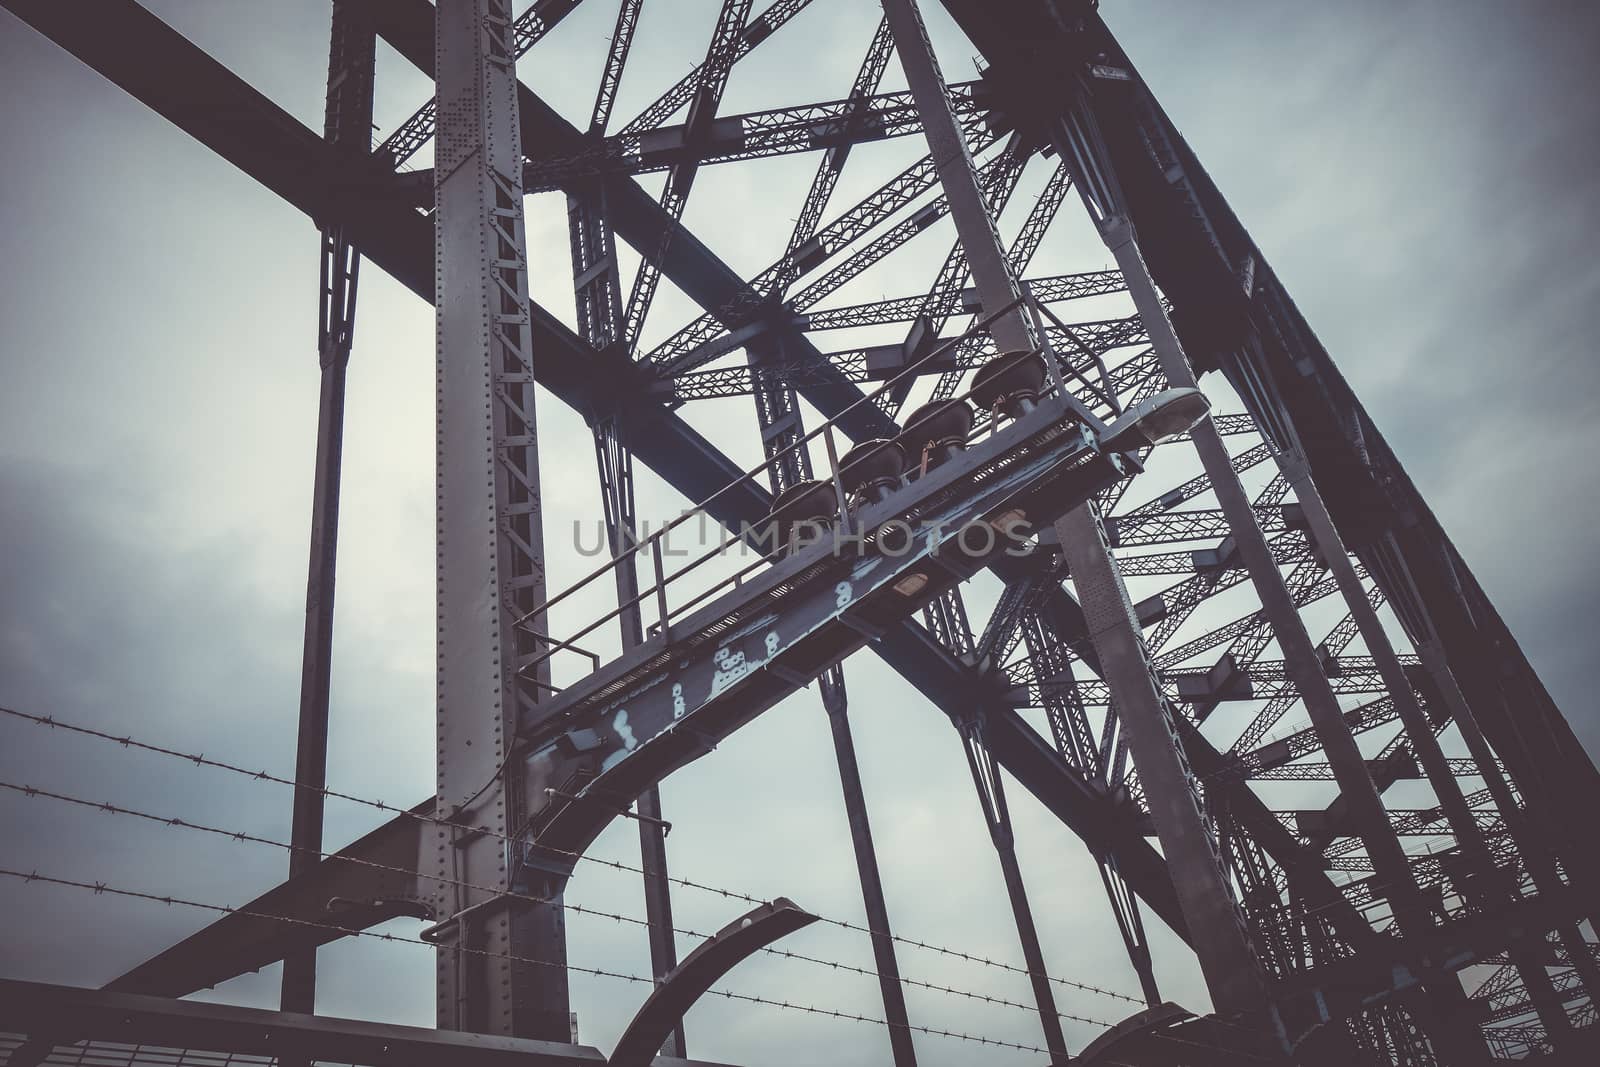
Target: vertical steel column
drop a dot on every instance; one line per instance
(997, 817)
(597, 287)
(775, 396)
(835, 701)
(490, 544)
(1075, 740)
(1456, 1035)
(616, 487)
(658, 902)
(1232, 972)
(778, 414)
(596, 284)
(347, 126)
(779, 418)
(1125, 906)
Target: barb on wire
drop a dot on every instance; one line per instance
(246, 837)
(99, 888)
(127, 741)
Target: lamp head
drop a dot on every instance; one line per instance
(1156, 419)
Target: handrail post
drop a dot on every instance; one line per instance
(661, 585)
(838, 483)
(1052, 361)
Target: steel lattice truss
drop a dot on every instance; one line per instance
(1317, 910)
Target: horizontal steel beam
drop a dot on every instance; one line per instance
(731, 138)
(955, 301)
(159, 1023)
(361, 885)
(856, 366)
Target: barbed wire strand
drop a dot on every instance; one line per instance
(200, 759)
(100, 888)
(244, 836)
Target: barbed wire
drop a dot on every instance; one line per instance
(201, 760)
(244, 836)
(101, 888)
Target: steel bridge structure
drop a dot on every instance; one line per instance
(1261, 596)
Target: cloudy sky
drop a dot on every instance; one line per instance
(1421, 174)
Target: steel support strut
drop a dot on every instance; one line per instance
(969, 209)
(779, 418)
(352, 57)
(491, 550)
(616, 484)
(720, 57)
(997, 819)
(836, 702)
(597, 287)
(1125, 907)
(1150, 724)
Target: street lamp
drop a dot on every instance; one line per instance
(1156, 419)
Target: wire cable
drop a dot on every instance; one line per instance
(102, 888)
(244, 836)
(201, 760)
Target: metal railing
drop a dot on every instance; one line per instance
(986, 422)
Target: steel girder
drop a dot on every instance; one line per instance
(352, 71)
(419, 129)
(490, 577)
(864, 365)
(359, 886)
(159, 1023)
(752, 135)
(639, 220)
(597, 289)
